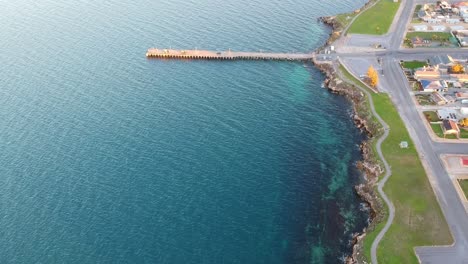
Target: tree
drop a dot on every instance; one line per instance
(464, 122)
(373, 76)
(457, 68)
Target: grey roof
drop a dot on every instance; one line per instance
(440, 59)
(422, 13)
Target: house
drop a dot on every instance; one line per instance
(455, 28)
(423, 15)
(438, 99)
(462, 37)
(420, 42)
(461, 96)
(449, 99)
(431, 85)
(463, 10)
(434, 21)
(457, 85)
(445, 6)
(444, 60)
(461, 78)
(448, 114)
(431, 73)
(452, 20)
(450, 128)
(420, 28)
(438, 28)
(460, 4)
(464, 161)
(464, 112)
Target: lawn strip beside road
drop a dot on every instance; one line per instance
(344, 19)
(464, 186)
(376, 20)
(413, 64)
(429, 35)
(418, 217)
(431, 116)
(437, 129)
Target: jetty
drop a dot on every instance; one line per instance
(225, 55)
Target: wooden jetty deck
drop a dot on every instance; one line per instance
(224, 55)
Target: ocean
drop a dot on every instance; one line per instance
(108, 157)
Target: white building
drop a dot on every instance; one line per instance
(452, 20)
(464, 111)
(434, 21)
(463, 10)
(447, 114)
(456, 28)
(438, 28)
(420, 28)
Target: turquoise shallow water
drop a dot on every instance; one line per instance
(108, 157)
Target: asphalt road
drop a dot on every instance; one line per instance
(451, 205)
(395, 83)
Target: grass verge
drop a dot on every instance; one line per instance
(437, 128)
(418, 217)
(464, 186)
(429, 35)
(413, 64)
(376, 20)
(344, 19)
(423, 99)
(431, 116)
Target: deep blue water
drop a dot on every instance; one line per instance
(107, 157)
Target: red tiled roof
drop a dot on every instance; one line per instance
(465, 161)
(460, 95)
(460, 4)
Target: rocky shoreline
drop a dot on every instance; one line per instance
(363, 120)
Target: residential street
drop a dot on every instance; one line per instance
(357, 55)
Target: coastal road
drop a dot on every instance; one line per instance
(395, 83)
(353, 52)
(430, 152)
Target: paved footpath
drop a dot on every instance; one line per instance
(388, 173)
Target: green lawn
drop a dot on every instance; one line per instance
(376, 20)
(423, 99)
(464, 186)
(431, 116)
(463, 133)
(415, 19)
(437, 128)
(418, 217)
(413, 64)
(429, 35)
(345, 18)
